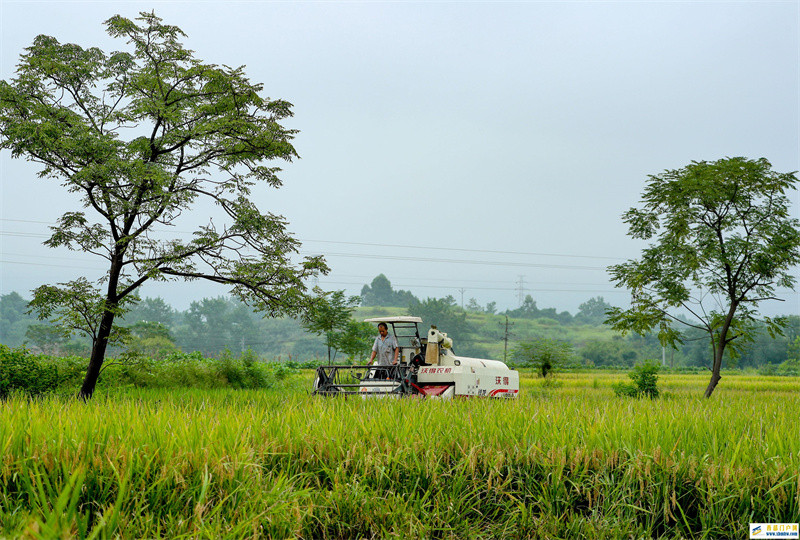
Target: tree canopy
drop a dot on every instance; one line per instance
(142, 137)
(381, 293)
(545, 355)
(724, 241)
(330, 316)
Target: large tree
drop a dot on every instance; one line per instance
(142, 137)
(724, 241)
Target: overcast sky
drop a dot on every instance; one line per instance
(458, 146)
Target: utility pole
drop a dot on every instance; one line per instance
(506, 335)
(462, 297)
(521, 290)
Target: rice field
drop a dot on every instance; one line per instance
(568, 460)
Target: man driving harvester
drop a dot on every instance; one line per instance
(385, 349)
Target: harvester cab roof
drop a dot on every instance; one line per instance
(427, 366)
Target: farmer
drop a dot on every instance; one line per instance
(386, 350)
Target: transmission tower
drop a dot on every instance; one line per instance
(521, 289)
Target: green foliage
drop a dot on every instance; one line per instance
(77, 307)
(442, 313)
(14, 319)
(213, 325)
(329, 315)
(242, 372)
(156, 347)
(723, 228)
(45, 337)
(593, 311)
(545, 355)
(151, 339)
(155, 310)
(20, 371)
(789, 368)
(196, 131)
(609, 352)
(380, 293)
(529, 310)
(180, 370)
(645, 382)
(794, 349)
(355, 340)
(149, 329)
(23, 371)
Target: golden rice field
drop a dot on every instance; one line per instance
(564, 461)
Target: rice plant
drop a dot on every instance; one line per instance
(559, 462)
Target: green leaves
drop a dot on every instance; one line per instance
(194, 131)
(546, 355)
(721, 230)
(330, 314)
(77, 307)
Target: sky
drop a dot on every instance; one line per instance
(481, 150)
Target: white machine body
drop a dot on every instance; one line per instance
(444, 374)
(471, 377)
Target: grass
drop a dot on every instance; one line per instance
(560, 462)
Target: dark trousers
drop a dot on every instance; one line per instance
(383, 372)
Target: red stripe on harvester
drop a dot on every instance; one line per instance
(501, 391)
(433, 390)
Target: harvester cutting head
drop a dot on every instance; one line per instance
(427, 366)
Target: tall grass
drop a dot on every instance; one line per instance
(565, 462)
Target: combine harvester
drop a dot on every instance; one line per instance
(427, 366)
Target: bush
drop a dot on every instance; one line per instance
(191, 370)
(21, 371)
(645, 382)
(767, 370)
(789, 368)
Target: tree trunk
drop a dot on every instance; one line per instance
(98, 355)
(719, 349)
(103, 332)
(715, 368)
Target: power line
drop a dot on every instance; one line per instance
(51, 265)
(376, 244)
(456, 261)
(786, 292)
(479, 288)
(440, 248)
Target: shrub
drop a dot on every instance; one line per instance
(247, 371)
(24, 372)
(645, 382)
(789, 368)
(767, 370)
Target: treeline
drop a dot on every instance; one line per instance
(381, 293)
(212, 326)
